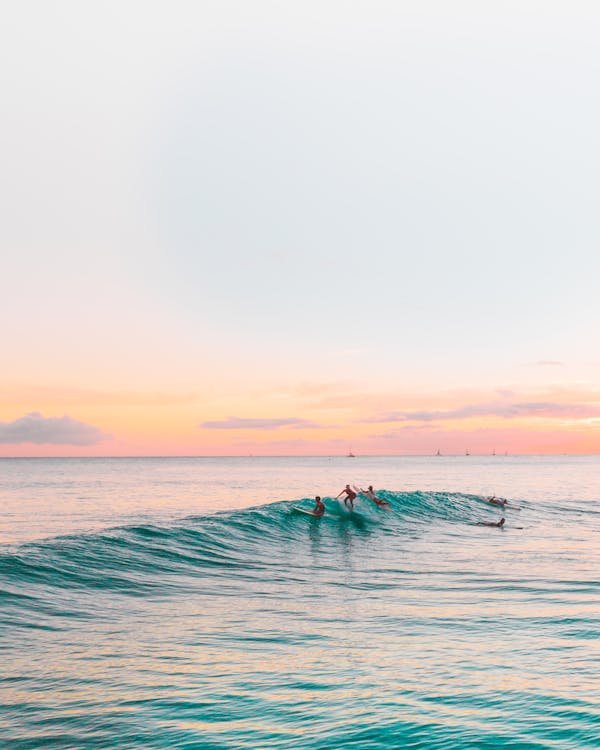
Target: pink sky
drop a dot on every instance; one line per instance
(305, 419)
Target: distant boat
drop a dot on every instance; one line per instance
(350, 454)
(467, 452)
(438, 453)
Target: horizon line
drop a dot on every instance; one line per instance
(315, 455)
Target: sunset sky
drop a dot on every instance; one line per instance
(299, 228)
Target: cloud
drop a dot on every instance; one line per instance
(241, 423)
(35, 428)
(541, 409)
(548, 363)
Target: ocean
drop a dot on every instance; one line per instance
(183, 603)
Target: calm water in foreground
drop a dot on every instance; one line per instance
(182, 603)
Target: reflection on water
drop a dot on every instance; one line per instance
(267, 629)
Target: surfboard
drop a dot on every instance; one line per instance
(307, 512)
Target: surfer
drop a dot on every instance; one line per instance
(350, 495)
(319, 508)
(500, 502)
(499, 523)
(372, 496)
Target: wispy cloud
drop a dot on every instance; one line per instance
(35, 428)
(242, 423)
(548, 363)
(541, 409)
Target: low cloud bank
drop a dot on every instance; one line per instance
(35, 428)
(544, 409)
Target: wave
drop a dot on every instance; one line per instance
(149, 559)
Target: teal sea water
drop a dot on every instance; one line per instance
(182, 603)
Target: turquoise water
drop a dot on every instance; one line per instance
(160, 603)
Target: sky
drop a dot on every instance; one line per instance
(299, 228)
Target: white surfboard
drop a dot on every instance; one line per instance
(307, 512)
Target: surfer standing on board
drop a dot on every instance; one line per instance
(350, 495)
(372, 496)
(319, 508)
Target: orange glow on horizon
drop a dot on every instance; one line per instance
(313, 421)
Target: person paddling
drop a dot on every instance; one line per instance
(350, 495)
(499, 523)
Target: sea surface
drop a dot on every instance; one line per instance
(183, 603)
